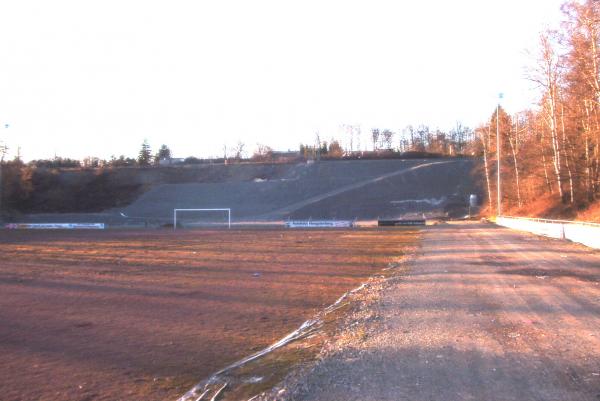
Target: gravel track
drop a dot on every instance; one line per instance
(485, 313)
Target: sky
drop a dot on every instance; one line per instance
(95, 78)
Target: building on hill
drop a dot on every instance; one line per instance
(171, 161)
(287, 155)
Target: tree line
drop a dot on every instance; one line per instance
(388, 143)
(553, 152)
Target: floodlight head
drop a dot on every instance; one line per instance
(123, 214)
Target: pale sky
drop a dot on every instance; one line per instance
(94, 78)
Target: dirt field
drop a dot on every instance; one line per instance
(144, 315)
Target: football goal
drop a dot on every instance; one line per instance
(201, 217)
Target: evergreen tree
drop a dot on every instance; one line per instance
(145, 155)
(164, 153)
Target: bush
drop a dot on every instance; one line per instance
(57, 162)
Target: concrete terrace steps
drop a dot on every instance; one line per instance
(327, 189)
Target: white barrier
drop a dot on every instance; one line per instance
(584, 233)
(319, 223)
(56, 226)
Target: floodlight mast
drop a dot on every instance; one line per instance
(3, 150)
(499, 190)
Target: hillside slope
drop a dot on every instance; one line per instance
(340, 189)
(356, 189)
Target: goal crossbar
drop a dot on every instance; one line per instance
(228, 210)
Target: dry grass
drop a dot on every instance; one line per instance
(546, 206)
(592, 213)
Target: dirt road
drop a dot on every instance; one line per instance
(485, 313)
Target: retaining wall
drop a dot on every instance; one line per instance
(587, 234)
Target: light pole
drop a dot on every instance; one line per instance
(499, 190)
(3, 149)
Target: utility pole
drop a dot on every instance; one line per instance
(3, 150)
(318, 150)
(499, 190)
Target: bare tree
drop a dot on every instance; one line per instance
(375, 137)
(481, 135)
(238, 150)
(513, 140)
(262, 153)
(387, 138)
(3, 151)
(546, 75)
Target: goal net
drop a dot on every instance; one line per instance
(194, 218)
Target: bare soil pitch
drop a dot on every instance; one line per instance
(144, 315)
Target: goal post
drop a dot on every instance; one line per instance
(176, 211)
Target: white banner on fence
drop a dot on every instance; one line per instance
(55, 226)
(587, 234)
(319, 223)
